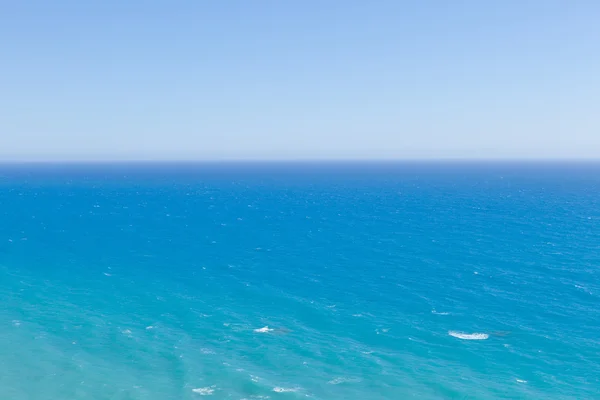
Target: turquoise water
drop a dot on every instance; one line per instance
(283, 281)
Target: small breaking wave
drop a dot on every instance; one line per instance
(264, 329)
(469, 336)
(284, 390)
(205, 391)
(439, 313)
(338, 381)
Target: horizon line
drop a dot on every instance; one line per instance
(303, 160)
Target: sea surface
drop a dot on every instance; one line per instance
(300, 281)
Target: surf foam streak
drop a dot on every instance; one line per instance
(469, 336)
(284, 390)
(205, 391)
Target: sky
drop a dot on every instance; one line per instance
(291, 79)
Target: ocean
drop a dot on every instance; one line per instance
(300, 281)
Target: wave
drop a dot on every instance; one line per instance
(205, 391)
(264, 329)
(284, 390)
(469, 336)
(337, 381)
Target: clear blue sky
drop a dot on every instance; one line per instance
(299, 79)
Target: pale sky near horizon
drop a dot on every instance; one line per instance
(299, 79)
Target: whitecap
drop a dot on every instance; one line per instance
(205, 391)
(264, 329)
(284, 390)
(340, 380)
(469, 336)
(149, 327)
(521, 381)
(439, 313)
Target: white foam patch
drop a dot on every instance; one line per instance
(264, 329)
(469, 336)
(439, 313)
(521, 381)
(284, 390)
(205, 391)
(340, 380)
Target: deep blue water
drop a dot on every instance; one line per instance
(283, 281)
